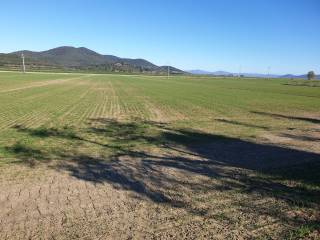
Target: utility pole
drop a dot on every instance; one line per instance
(168, 71)
(268, 73)
(23, 65)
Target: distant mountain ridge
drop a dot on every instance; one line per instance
(72, 58)
(258, 75)
(203, 72)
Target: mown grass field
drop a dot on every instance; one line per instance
(112, 156)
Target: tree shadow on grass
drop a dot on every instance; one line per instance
(275, 115)
(185, 159)
(124, 138)
(233, 122)
(26, 154)
(301, 137)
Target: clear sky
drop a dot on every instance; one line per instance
(189, 34)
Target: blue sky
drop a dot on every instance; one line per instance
(189, 34)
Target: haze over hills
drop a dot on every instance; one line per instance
(71, 58)
(258, 75)
(204, 72)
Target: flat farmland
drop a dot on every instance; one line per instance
(85, 156)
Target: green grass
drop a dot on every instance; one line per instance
(302, 232)
(239, 108)
(307, 83)
(46, 117)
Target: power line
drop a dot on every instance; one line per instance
(23, 64)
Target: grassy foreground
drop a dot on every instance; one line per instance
(184, 157)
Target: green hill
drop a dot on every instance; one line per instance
(71, 58)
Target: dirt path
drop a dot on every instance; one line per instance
(48, 204)
(60, 207)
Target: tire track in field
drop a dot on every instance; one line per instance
(18, 114)
(93, 105)
(104, 107)
(132, 105)
(160, 112)
(115, 110)
(65, 115)
(12, 104)
(63, 118)
(43, 108)
(35, 107)
(156, 110)
(46, 83)
(101, 109)
(86, 107)
(16, 107)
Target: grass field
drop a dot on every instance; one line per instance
(112, 156)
